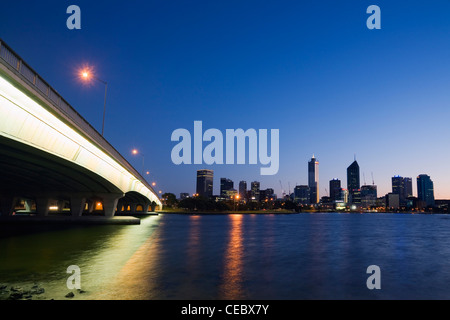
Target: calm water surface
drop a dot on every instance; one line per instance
(299, 256)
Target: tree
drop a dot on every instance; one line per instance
(170, 200)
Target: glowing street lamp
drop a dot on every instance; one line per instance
(236, 198)
(136, 152)
(86, 74)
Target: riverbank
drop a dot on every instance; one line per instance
(259, 212)
(87, 220)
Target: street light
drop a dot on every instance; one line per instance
(136, 152)
(235, 198)
(86, 74)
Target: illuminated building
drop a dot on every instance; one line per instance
(353, 184)
(205, 179)
(425, 189)
(225, 185)
(335, 189)
(313, 180)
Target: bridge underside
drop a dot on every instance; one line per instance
(41, 183)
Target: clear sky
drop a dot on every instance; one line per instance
(311, 69)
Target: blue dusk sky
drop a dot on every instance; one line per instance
(311, 69)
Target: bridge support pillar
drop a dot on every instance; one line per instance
(7, 205)
(42, 206)
(110, 202)
(28, 205)
(77, 205)
(61, 204)
(133, 207)
(91, 205)
(145, 207)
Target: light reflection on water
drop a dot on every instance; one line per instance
(231, 286)
(305, 256)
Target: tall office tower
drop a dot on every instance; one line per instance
(313, 180)
(205, 179)
(243, 190)
(255, 190)
(301, 194)
(369, 196)
(408, 187)
(353, 185)
(225, 185)
(425, 189)
(335, 189)
(398, 187)
(402, 187)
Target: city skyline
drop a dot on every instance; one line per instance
(365, 194)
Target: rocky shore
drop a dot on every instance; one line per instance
(34, 292)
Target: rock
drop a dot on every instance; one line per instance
(37, 291)
(16, 289)
(81, 291)
(70, 295)
(3, 287)
(16, 295)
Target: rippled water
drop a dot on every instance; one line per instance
(298, 256)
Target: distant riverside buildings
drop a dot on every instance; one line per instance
(425, 189)
(301, 194)
(355, 197)
(313, 180)
(226, 185)
(255, 191)
(353, 184)
(402, 187)
(368, 196)
(205, 179)
(243, 190)
(335, 190)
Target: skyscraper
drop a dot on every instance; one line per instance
(255, 187)
(335, 189)
(243, 189)
(301, 194)
(408, 187)
(205, 179)
(425, 189)
(368, 195)
(313, 180)
(353, 184)
(225, 185)
(398, 187)
(402, 187)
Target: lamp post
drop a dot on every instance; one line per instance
(235, 198)
(87, 75)
(136, 152)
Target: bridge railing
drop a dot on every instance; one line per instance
(26, 73)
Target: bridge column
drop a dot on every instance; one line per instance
(145, 207)
(133, 207)
(77, 205)
(61, 204)
(91, 206)
(42, 204)
(7, 205)
(28, 205)
(110, 202)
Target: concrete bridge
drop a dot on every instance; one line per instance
(52, 159)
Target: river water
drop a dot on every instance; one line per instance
(253, 256)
